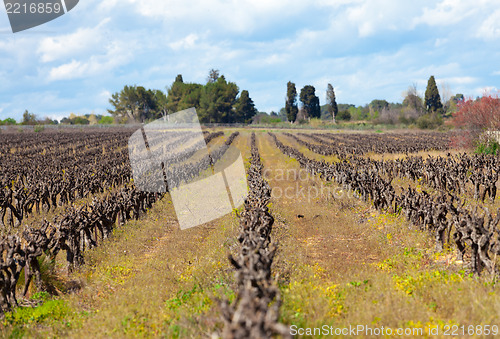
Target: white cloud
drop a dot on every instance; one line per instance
(185, 43)
(105, 94)
(71, 70)
(17, 50)
(97, 65)
(447, 12)
(485, 90)
(465, 80)
(372, 16)
(490, 28)
(232, 16)
(107, 5)
(274, 59)
(73, 44)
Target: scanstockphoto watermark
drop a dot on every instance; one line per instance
(171, 155)
(25, 14)
(367, 330)
(358, 330)
(298, 190)
(311, 193)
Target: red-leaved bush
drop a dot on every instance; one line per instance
(475, 117)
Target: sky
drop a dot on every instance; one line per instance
(367, 49)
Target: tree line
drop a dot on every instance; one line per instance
(426, 112)
(217, 101)
(31, 119)
(220, 101)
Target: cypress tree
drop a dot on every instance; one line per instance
(291, 102)
(432, 98)
(331, 102)
(244, 108)
(310, 101)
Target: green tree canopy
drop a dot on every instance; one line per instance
(291, 108)
(160, 99)
(244, 108)
(135, 103)
(9, 121)
(344, 115)
(175, 94)
(182, 96)
(378, 105)
(432, 98)
(310, 101)
(74, 119)
(217, 100)
(191, 96)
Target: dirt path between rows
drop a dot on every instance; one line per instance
(327, 231)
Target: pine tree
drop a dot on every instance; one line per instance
(331, 102)
(432, 98)
(291, 102)
(244, 108)
(175, 94)
(217, 100)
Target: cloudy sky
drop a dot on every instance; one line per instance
(367, 49)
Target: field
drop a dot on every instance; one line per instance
(340, 231)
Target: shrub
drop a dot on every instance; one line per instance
(106, 120)
(487, 147)
(9, 121)
(430, 121)
(475, 117)
(269, 120)
(316, 122)
(388, 116)
(343, 116)
(480, 114)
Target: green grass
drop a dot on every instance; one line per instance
(487, 147)
(50, 313)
